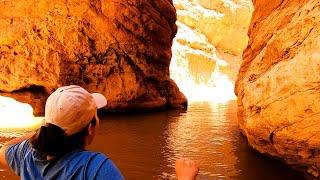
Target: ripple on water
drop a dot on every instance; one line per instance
(145, 146)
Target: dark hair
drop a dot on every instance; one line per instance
(51, 140)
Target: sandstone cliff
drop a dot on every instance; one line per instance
(119, 48)
(278, 84)
(207, 49)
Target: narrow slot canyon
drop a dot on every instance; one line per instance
(231, 84)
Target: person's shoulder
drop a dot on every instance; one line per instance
(22, 145)
(87, 158)
(98, 165)
(92, 154)
(83, 159)
(21, 148)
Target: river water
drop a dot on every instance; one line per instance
(146, 145)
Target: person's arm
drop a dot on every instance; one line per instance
(186, 169)
(3, 149)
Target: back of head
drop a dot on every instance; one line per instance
(69, 111)
(51, 140)
(71, 108)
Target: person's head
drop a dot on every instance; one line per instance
(70, 121)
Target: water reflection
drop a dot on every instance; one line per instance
(145, 146)
(206, 136)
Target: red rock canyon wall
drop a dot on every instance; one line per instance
(119, 48)
(278, 84)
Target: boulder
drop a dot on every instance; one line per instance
(278, 83)
(119, 48)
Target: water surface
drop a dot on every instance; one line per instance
(145, 146)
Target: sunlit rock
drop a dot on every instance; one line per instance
(207, 48)
(196, 68)
(223, 22)
(119, 48)
(278, 84)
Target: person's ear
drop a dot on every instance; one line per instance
(91, 129)
(97, 120)
(90, 135)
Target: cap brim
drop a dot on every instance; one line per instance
(100, 100)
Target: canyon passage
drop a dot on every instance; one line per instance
(150, 56)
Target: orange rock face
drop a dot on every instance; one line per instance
(119, 48)
(278, 83)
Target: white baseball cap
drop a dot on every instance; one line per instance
(72, 108)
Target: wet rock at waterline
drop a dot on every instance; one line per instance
(119, 48)
(278, 84)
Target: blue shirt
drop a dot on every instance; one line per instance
(78, 164)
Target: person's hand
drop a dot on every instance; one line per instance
(186, 169)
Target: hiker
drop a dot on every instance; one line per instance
(57, 150)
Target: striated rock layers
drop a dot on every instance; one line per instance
(119, 48)
(212, 35)
(278, 86)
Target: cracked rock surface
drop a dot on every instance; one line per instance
(278, 86)
(119, 48)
